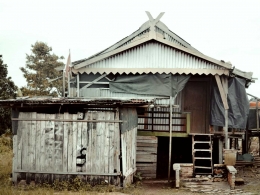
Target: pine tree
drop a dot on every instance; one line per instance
(7, 90)
(40, 69)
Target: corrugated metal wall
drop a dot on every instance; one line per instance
(153, 55)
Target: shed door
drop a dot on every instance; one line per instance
(195, 101)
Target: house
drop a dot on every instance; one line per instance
(146, 102)
(204, 97)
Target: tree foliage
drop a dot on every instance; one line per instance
(40, 69)
(7, 90)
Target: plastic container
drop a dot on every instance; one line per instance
(230, 157)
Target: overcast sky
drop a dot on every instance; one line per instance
(224, 30)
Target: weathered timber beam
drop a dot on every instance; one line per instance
(67, 120)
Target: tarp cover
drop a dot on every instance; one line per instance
(149, 84)
(251, 122)
(237, 102)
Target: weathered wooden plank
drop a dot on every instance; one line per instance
(65, 143)
(74, 145)
(147, 168)
(145, 164)
(147, 149)
(146, 158)
(94, 163)
(15, 160)
(116, 146)
(70, 143)
(20, 141)
(146, 138)
(38, 145)
(49, 142)
(89, 143)
(112, 148)
(25, 141)
(106, 144)
(149, 175)
(146, 141)
(145, 152)
(33, 140)
(103, 144)
(58, 143)
(42, 143)
(123, 145)
(84, 142)
(79, 147)
(140, 144)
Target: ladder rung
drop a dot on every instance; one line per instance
(203, 158)
(202, 173)
(202, 150)
(202, 142)
(201, 167)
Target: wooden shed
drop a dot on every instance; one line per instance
(57, 138)
(194, 96)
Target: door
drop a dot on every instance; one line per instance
(195, 101)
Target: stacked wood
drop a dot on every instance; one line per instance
(146, 156)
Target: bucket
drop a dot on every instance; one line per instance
(230, 156)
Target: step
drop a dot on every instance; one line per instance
(202, 167)
(202, 173)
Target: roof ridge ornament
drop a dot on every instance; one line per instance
(153, 21)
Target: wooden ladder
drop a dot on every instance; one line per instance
(202, 154)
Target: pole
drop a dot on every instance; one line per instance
(226, 129)
(63, 84)
(170, 141)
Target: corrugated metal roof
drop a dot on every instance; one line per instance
(154, 57)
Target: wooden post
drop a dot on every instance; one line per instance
(63, 84)
(170, 140)
(78, 85)
(223, 90)
(220, 148)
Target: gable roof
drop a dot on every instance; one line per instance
(151, 31)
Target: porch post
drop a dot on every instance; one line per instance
(170, 140)
(223, 90)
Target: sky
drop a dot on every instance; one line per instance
(224, 30)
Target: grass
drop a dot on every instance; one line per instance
(76, 186)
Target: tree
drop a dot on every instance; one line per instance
(7, 90)
(40, 69)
